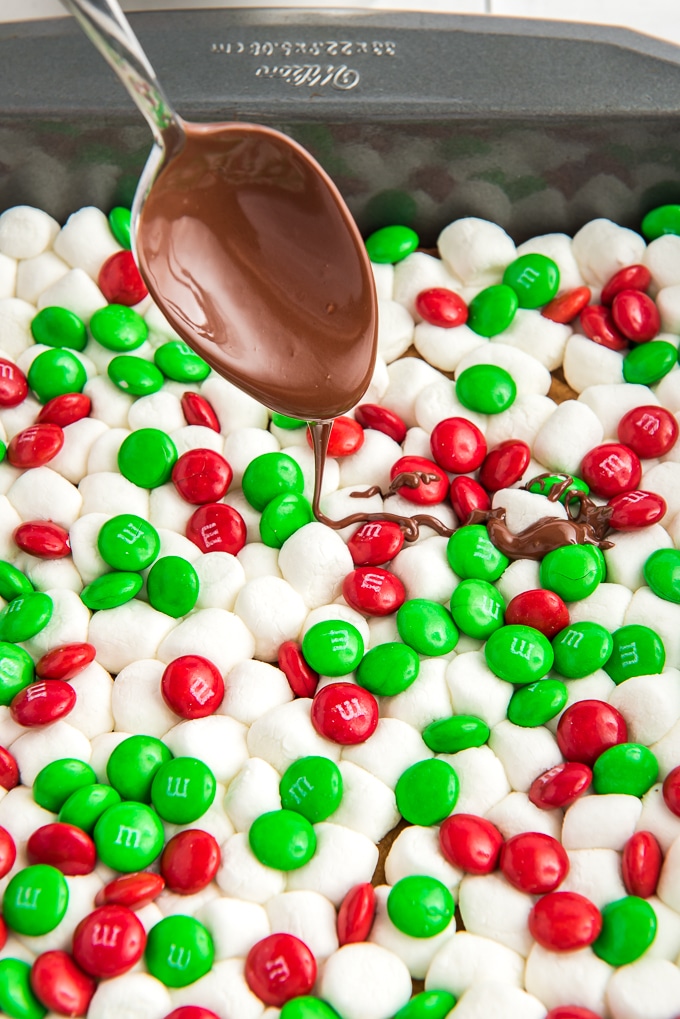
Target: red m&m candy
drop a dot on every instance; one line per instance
(588, 728)
(504, 464)
(565, 921)
(302, 679)
(631, 277)
(216, 527)
(198, 411)
(641, 864)
(60, 985)
(66, 661)
(543, 610)
(425, 483)
(120, 281)
(280, 967)
(636, 315)
(43, 539)
(42, 702)
(560, 786)
(471, 843)
(347, 436)
(467, 495)
(13, 384)
(458, 445)
(69, 849)
(190, 861)
(566, 307)
(610, 469)
(571, 1012)
(8, 852)
(381, 419)
(192, 1012)
(373, 591)
(9, 770)
(599, 326)
(345, 713)
(442, 307)
(636, 509)
(671, 791)
(375, 543)
(648, 430)
(35, 446)
(109, 941)
(534, 862)
(131, 890)
(65, 409)
(201, 476)
(356, 914)
(192, 686)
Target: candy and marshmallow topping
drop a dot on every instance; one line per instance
(214, 708)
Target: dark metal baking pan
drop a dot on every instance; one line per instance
(419, 118)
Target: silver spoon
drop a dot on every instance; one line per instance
(247, 246)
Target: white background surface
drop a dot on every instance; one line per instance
(653, 17)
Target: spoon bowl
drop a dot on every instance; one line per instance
(247, 247)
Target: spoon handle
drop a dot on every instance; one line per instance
(107, 27)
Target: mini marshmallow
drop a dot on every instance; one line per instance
(601, 248)
(309, 917)
(134, 996)
(466, 960)
(159, 327)
(424, 701)
(167, 508)
(8, 276)
(234, 408)
(102, 748)
(625, 561)
(662, 258)
(417, 442)
(159, 410)
(521, 575)
(110, 405)
(523, 420)
(48, 743)
(315, 561)
(408, 377)
(86, 241)
(605, 821)
(475, 250)
(365, 981)
(657, 818)
(254, 790)
(190, 437)
(483, 781)
(223, 990)
(370, 465)
(424, 570)
(661, 616)
(36, 274)
(515, 814)
(667, 392)
(270, 608)
(42, 494)
(476, 690)
(589, 364)
(128, 632)
(110, 493)
(610, 402)
(574, 978)
(664, 479)
(9, 521)
(26, 232)
(595, 873)
(607, 605)
(76, 291)
(338, 611)
(15, 419)
(68, 623)
(21, 815)
(45, 574)
(251, 689)
(537, 336)
(395, 330)
(343, 859)
(666, 750)
(444, 348)
(92, 712)
(666, 944)
(491, 907)
(598, 686)
(668, 303)
(173, 904)
(15, 328)
(523, 509)
(557, 246)
(137, 703)
(383, 275)
(367, 806)
(416, 953)
(417, 272)
(234, 925)
(529, 375)
(567, 436)
(342, 503)
(83, 539)
(416, 851)
(437, 401)
(383, 630)
(72, 459)
(220, 577)
(650, 705)
(524, 752)
(285, 733)
(441, 512)
(393, 747)
(498, 1001)
(243, 445)
(218, 741)
(646, 989)
(222, 637)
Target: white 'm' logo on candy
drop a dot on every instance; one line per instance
(633, 497)
(339, 640)
(128, 837)
(629, 655)
(299, 789)
(35, 692)
(572, 638)
(370, 531)
(527, 277)
(200, 690)
(27, 898)
(105, 935)
(611, 465)
(178, 787)
(489, 606)
(277, 969)
(522, 648)
(210, 535)
(130, 534)
(350, 709)
(6, 371)
(649, 423)
(372, 582)
(179, 957)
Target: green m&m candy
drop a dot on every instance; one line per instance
(492, 310)
(535, 278)
(459, 732)
(427, 627)
(287, 423)
(427, 1005)
(647, 363)
(119, 328)
(282, 839)
(307, 1007)
(581, 648)
(573, 571)
(477, 608)
(545, 485)
(518, 654)
(536, 703)
(55, 372)
(473, 556)
(311, 786)
(16, 994)
(119, 221)
(128, 542)
(629, 768)
(628, 929)
(182, 790)
(282, 517)
(486, 388)
(333, 647)
(663, 220)
(13, 582)
(180, 363)
(133, 764)
(25, 616)
(128, 836)
(146, 457)
(59, 327)
(58, 780)
(134, 375)
(16, 670)
(391, 244)
(85, 806)
(35, 900)
(638, 651)
(179, 950)
(111, 590)
(270, 475)
(420, 906)
(427, 792)
(388, 669)
(172, 586)
(662, 573)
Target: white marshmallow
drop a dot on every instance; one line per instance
(242, 876)
(72, 459)
(425, 700)
(367, 806)
(661, 616)
(521, 575)
(254, 790)
(76, 291)
(523, 420)
(86, 241)
(529, 375)
(607, 605)
(128, 632)
(168, 510)
(417, 441)
(589, 364)
(424, 570)
(605, 821)
(538, 336)
(668, 888)
(132, 996)
(309, 917)
(646, 989)
(395, 330)
(285, 733)
(15, 327)
(222, 637)
(304, 458)
(567, 436)
(625, 561)
(343, 858)
(522, 508)
(220, 577)
(110, 405)
(666, 943)
(515, 814)
(68, 623)
(467, 960)
(8, 276)
(21, 815)
(110, 493)
(383, 274)
(137, 703)
(595, 873)
(476, 250)
(251, 689)
(408, 377)
(650, 705)
(223, 990)
(337, 611)
(234, 408)
(26, 232)
(416, 851)
(218, 741)
(234, 925)
(365, 981)
(42, 494)
(371, 464)
(417, 272)
(668, 302)
(557, 246)
(9, 521)
(483, 781)
(498, 1001)
(33, 275)
(315, 561)
(190, 437)
(243, 445)
(524, 753)
(610, 402)
(491, 907)
(657, 818)
(444, 348)
(416, 953)
(438, 401)
(664, 479)
(393, 747)
(271, 610)
(92, 712)
(39, 747)
(573, 978)
(102, 748)
(159, 410)
(662, 258)
(476, 690)
(601, 248)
